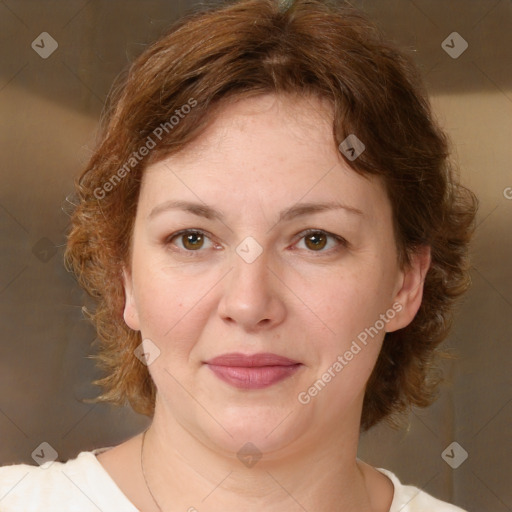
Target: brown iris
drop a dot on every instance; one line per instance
(318, 240)
(193, 240)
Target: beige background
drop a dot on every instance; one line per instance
(49, 114)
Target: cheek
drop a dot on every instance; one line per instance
(344, 359)
(351, 307)
(355, 300)
(173, 308)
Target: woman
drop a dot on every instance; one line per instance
(275, 240)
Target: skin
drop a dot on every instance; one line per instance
(260, 156)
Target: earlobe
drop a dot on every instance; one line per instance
(130, 314)
(410, 294)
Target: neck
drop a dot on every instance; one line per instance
(183, 473)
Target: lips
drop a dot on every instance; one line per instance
(251, 360)
(254, 371)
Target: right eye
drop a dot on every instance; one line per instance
(191, 240)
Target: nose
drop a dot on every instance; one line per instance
(252, 296)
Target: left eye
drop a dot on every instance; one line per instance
(192, 240)
(315, 240)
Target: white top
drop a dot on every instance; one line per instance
(83, 485)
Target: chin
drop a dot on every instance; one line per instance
(261, 429)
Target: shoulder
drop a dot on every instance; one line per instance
(408, 498)
(78, 485)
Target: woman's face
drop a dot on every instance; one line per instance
(248, 278)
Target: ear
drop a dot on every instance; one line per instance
(410, 289)
(131, 316)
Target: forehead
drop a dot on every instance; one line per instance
(306, 118)
(270, 150)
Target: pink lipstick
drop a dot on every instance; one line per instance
(254, 371)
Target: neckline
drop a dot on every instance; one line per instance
(92, 455)
(396, 485)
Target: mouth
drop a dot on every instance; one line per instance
(255, 371)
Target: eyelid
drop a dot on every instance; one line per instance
(342, 241)
(172, 236)
(328, 233)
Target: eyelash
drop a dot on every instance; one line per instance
(342, 242)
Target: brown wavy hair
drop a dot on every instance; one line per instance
(236, 49)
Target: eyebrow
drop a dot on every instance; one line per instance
(203, 210)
